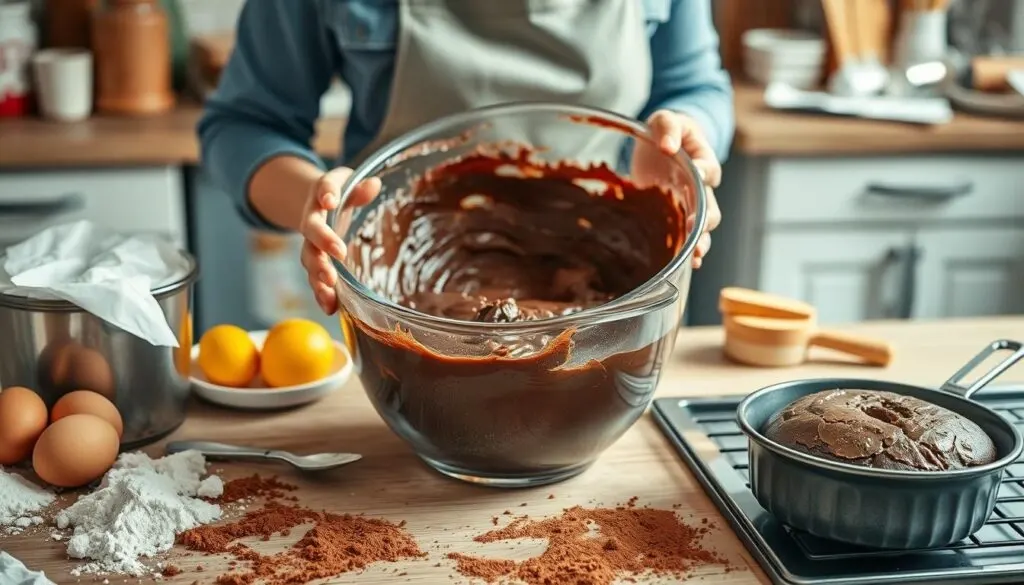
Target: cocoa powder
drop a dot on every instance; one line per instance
(255, 486)
(336, 544)
(595, 546)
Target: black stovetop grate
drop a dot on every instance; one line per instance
(995, 554)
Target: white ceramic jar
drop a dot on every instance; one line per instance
(18, 41)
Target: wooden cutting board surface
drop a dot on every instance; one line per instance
(444, 514)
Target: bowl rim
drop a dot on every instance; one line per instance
(783, 40)
(884, 474)
(615, 122)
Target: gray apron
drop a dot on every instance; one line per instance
(456, 55)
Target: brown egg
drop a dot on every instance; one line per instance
(69, 366)
(22, 420)
(87, 402)
(75, 450)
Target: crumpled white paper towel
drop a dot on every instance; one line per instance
(107, 274)
(14, 572)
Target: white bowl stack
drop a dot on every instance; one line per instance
(793, 57)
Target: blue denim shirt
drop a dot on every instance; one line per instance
(288, 51)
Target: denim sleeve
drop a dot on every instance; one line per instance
(687, 73)
(268, 99)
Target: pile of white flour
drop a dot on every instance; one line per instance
(20, 500)
(138, 510)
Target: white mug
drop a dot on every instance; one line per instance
(64, 83)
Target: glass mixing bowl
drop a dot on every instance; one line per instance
(523, 403)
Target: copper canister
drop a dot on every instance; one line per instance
(131, 42)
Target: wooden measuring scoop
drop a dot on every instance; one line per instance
(734, 300)
(775, 342)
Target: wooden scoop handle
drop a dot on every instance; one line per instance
(838, 22)
(872, 351)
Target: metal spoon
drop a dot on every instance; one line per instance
(314, 462)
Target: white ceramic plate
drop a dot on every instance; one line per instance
(261, 397)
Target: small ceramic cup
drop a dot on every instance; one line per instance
(64, 85)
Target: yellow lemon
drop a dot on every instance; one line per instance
(228, 357)
(296, 352)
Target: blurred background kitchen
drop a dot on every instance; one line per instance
(877, 170)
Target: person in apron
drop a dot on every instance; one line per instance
(408, 62)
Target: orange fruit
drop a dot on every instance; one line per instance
(295, 352)
(228, 357)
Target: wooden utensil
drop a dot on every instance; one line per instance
(733, 300)
(771, 342)
(871, 75)
(837, 21)
(989, 73)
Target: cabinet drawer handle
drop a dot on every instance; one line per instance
(907, 260)
(932, 194)
(63, 204)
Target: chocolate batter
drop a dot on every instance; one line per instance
(881, 429)
(471, 244)
(504, 240)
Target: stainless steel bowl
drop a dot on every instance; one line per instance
(54, 347)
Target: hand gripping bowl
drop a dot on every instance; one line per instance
(881, 508)
(522, 403)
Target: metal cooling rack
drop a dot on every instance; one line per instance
(993, 555)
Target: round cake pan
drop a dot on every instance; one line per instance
(881, 508)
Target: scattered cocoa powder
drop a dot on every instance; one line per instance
(254, 486)
(595, 546)
(336, 544)
(170, 571)
(274, 518)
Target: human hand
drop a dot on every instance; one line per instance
(673, 132)
(322, 242)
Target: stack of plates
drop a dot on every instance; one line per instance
(792, 57)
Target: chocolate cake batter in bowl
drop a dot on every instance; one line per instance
(511, 295)
(878, 463)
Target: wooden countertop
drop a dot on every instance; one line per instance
(392, 483)
(170, 139)
(761, 131)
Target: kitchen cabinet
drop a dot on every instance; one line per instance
(966, 272)
(148, 200)
(904, 237)
(849, 276)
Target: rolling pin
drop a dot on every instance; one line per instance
(989, 73)
(775, 342)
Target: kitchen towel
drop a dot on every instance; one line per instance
(110, 275)
(14, 572)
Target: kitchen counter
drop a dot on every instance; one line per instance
(445, 514)
(761, 131)
(167, 139)
(170, 139)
